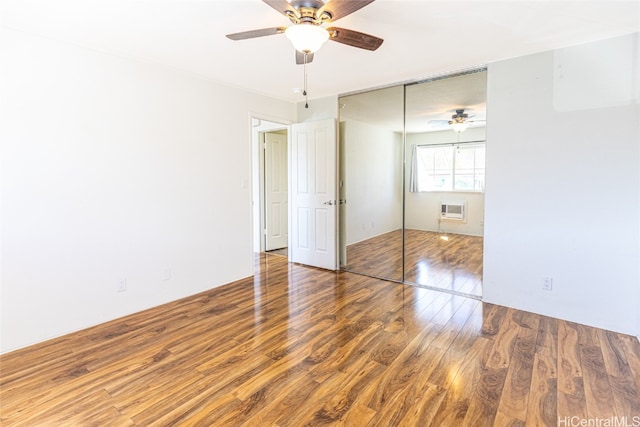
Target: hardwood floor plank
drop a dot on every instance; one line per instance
(597, 388)
(424, 401)
(417, 359)
(514, 400)
(50, 355)
(91, 411)
(133, 400)
(68, 410)
(313, 400)
(515, 396)
(454, 407)
(547, 341)
(346, 392)
(503, 420)
(573, 404)
(624, 385)
(504, 342)
(358, 416)
(493, 317)
(542, 403)
(459, 339)
(569, 365)
(483, 407)
(632, 353)
(278, 386)
(291, 398)
(197, 409)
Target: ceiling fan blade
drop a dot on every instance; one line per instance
(256, 33)
(281, 6)
(300, 57)
(438, 124)
(341, 8)
(354, 38)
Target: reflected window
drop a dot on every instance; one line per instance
(450, 168)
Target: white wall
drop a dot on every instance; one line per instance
(562, 186)
(372, 179)
(423, 208)
(113, 169)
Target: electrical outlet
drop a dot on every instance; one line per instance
(166, 274)
(122, 285)
(547, 284)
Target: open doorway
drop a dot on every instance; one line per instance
(270, 187)
(309, 178)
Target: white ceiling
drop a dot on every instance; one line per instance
(422, 38)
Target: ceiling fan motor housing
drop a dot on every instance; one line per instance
(459, 117)
(307, 14)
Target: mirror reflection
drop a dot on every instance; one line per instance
(444, 195)
(412, 162)
(371, 144)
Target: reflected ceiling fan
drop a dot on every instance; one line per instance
(307, 33)
(459, 121)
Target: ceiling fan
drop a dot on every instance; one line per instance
(458, 121)
(307, 33)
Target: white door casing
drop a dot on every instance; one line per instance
(313, 194)
(276, 191)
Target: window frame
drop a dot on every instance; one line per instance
(452, 171)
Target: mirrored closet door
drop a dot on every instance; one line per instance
(371, 187)
(445, 133)
(412, 182)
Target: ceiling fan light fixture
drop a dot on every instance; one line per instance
(458, 126)
(306, 37)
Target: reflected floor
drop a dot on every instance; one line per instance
(281, 252)
(453, 264)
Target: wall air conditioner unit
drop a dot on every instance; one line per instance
(452, 210)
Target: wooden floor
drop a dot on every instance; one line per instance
(454, 264)
(297, 346)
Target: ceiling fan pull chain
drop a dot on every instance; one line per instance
(306, 98)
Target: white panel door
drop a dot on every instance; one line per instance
(276, 191)
(313, 194)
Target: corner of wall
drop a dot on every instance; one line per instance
(319, 109)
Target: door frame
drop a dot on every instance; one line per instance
(259, 125)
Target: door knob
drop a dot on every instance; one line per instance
(330, 202)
